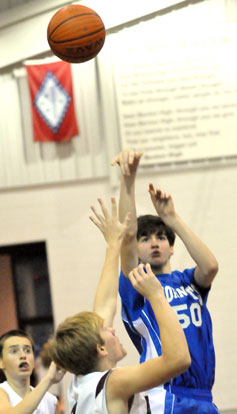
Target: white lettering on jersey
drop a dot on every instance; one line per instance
(186, 314)
(181, 292)
(169, 293)
(174, 293)
(190, 290)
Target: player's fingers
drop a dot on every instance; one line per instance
(135, 273)
(148, 270)
(131, 155)
(115, 160)
(122, 162)
(135, 277)
(97, 223)
(148, 267)
(151, 190)
(159, 194)
(114, 207)
(125, 155)
(140, 270)
(164, 195)
(138, 273)
(103, 207)
(120, 159)
(97, 214)
(132, 277)
(139, 155)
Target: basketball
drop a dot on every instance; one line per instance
(76, 33)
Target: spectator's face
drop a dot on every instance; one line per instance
(17, 358)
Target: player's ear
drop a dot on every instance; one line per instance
(171, 250)
(101, 350)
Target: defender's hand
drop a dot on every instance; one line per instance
(128, 161)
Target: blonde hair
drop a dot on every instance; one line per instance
(74, 345)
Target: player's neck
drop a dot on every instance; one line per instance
(163, 269)
(106, 364)
(20, 386)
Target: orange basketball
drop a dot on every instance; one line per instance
(76, 33)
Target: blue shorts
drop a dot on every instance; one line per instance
(181, 400)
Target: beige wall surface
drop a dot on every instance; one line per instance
(58, 215)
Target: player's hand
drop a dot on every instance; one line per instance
(54, 373)
(109, 224)
(145, 282)
(128, 161)
(162, 202)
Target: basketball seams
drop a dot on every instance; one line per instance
(77, 38)
(70, 18)
(71, 58)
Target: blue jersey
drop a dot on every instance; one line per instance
(188, 300)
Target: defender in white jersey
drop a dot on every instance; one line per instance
(86, 345)
(87, 394)
(17, 363)
(150, 239)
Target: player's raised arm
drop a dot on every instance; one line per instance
(128, 161)
(113, 230)
(206, 262)
(175, 357)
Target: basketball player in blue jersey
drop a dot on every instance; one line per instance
(85, 344)
(150, 239)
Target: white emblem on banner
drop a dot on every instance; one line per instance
(52, 101)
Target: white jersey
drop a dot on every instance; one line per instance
(87, 395)
(46, 406)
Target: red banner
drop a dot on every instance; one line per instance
(52, 101)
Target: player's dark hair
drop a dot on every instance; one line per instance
(149, 224)
(14, 332)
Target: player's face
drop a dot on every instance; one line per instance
(112, 345)
(154, 249)
(17, 357)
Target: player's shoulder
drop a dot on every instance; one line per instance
(5, 388)
(4, 395)
(3, 385)
(3, 391)
(186, 275)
